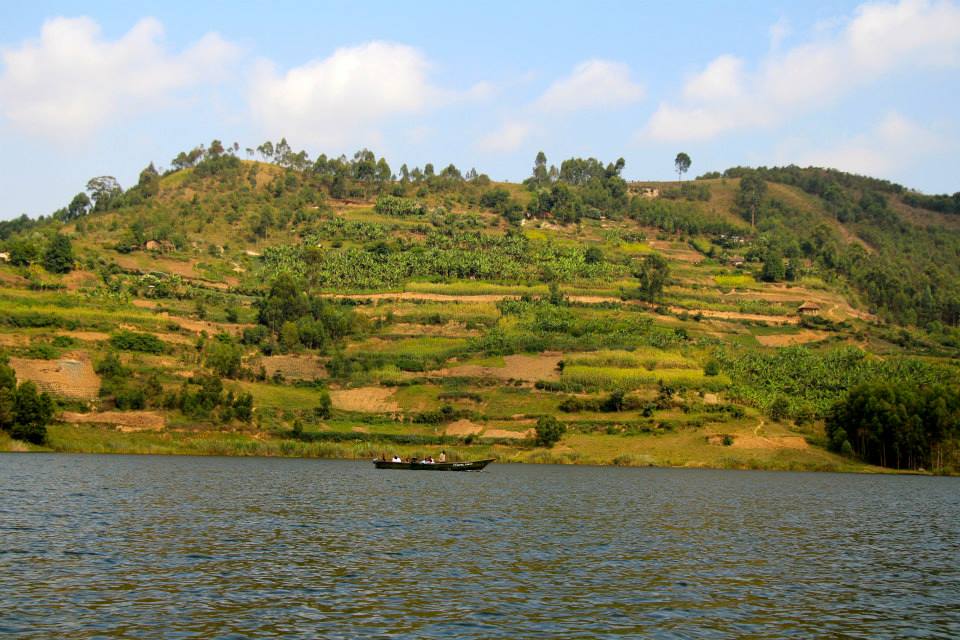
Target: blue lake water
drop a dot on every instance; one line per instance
(184, 547)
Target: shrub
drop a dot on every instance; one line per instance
(779, 408)
(223, 356)
(549, 430)
(134, 341)
(324, 405)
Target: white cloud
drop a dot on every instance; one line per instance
(594, 84)
(882, 38)
(779, 30)
(894, 143)
(71, 81)
(346, 97)
(509, 137)
(721, 80)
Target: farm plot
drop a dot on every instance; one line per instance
(295, 367)
(610, 378)
(365, 399)
(71, 376)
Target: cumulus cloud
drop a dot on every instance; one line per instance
(345, 97)
(779, 31)
(894, 143)
(71, 81)
(508, 137)
(594, 84)
(880, 39)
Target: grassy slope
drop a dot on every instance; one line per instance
(707, 299)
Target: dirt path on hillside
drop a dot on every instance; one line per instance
(736, 315)
(439, 297)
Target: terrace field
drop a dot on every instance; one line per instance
(276, 319)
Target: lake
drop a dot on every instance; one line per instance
(186, 547)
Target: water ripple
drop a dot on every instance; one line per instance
(154, 547)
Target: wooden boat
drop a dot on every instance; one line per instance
(475, 465)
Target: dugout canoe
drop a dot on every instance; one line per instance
(474, 465)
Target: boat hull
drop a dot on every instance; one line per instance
(475, 465)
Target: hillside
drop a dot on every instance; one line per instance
(331, 308)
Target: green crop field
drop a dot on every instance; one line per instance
(248, 308)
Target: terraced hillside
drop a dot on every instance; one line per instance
(309, 309)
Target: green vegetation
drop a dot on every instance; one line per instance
(334, 306)
(900, 426)
(24, 413)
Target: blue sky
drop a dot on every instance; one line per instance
(94, 88)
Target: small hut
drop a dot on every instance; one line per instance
(809, 309)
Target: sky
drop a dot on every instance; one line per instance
(104, 88)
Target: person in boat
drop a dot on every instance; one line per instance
(443, 457)
(396, 458)
(428, 460)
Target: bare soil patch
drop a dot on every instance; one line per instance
(761, 442)
(770, 442)
(124, 420)
(516, 367)
(676, 253)
(504, 433)
(365, 399)
(212, 328)
(463, 428)
(13, 340)
(736, 315)
(449, 330)
(13, 279)
(78, 279)
(787, 339)
(72, 376)
(87, 336)
(295, 367)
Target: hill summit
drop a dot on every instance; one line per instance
(283, 306)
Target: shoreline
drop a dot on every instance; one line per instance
(100, 440)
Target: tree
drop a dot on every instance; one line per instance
(149, 181)
(549, 430)
(779, 409)
(653, 275)
(266, 150)
(33, 412)
(753, 188)
(324, 405)
(593, 255)
(8, 396)
(540, 176)
(773, 269)
(78, 206)
(59, 255)
(104, 190)
(285, 302)
(224, 357)
(682, 164)
(24, 251)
